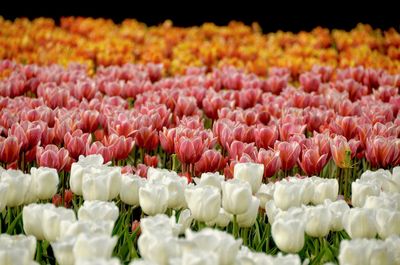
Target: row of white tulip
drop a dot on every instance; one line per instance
(208, 246)
(74, 241)
(370, 251)
(18, 188)
(19, 249)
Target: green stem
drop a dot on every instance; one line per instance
(235, 226)
(39, 251)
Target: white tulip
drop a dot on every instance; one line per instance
(199, 257)
(142, 262)
(98, 210)
(185, 220)
(352, 253)
(360, 223)
(251, 173)
(153, 198)
(156, 174)
(338, 209)
(3, 195)
(160, 224)
(103, 183)
(265, 193)
(51, 221)
(288, 194)
(223, 219)
(361, 190)
(393, 245)
(396, 175)
(68, 228)
(45, 181)
(19, 242)
(325, 189)
(219, 242)
(18, 185)
(387, 223)
(204, 202)
(318, 221)
(249, 218)
(211, 179)
(381, 202)
(32, 219)
(94, 246)
(130, 185)
(236, 196)
(271, 211)
(63, 250)
(166, 247)
(78, 169)
(15, 256)
(288, 235)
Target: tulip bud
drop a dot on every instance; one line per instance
(94, 246)
(288, 194)
(98, 210)
(153, 198)
(288, 235)
(360, 223)
(318, 221)
(130, 185)
(387, 223)
(52, 219)
(249, 218)
(32, 218)
(45, 181)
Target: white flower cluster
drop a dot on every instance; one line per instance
(208, 246)
(86, 240)
(18, 188)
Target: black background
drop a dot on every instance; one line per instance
(271, 15)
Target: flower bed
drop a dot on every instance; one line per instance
(215, 156)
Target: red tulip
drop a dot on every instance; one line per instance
(310, 81)
(266, 136)
(167, 139)
(9, 149)
(381, 151)
(120, 146)
(77, 143)
(150, 161)
(210, 161)
(98, 148)
(289, 153)
(189, 150)
(186, 106)
(90, 120)
(52, 157)
(136, 228)
(237, 149)
(312, 161)
(146, 138)
(271, 161)
(275, 84)
(28, 134)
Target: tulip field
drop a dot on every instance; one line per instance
(221, 145)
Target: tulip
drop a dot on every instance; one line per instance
(189, 151)
(94, 246)
(266, 137)
(185, 220)
(98, 210)
(387, 223)
(99, 149)
(223, 219)
(271, 161)
(45, 181)
(341, 152)
(210, 161)
(153, 198)
(3, 195)
(130, 185)
(288, 235)
(312, 162)
(194, 257)
(288, 194)
(360, 191)
(252, 173)
(166, 248)
(52, 157)
(236, 196)
(324, 189)
(211, 179)
(9, 149)
(204, 202)
(80, 167)
(98, 261)
(219, 242)
(360, 223)
(318, 221)
(27, 243)
(249, 218)
(51, 221)
(265, 193)
(90, 120)
(337, 209)
(120, 146)
(18, 186)
(381, 151)
(77, 143)
(101, 184)
(167, 139)
(289, 153)
(146, 138)
(32, 218)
